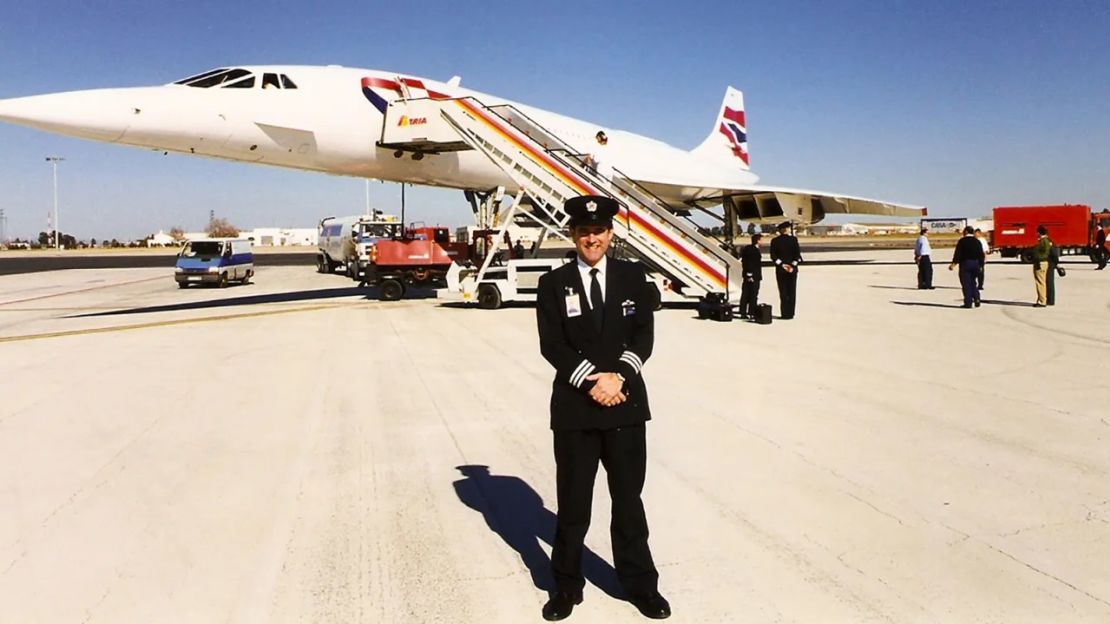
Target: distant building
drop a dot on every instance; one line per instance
(280, 237)
(161, 239)
(875, 229)
(271, 236)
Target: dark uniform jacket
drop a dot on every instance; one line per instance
(968, 248)
(751, 262)
(785, 250)
(575, 348)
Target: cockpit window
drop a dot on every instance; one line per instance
(237, 78)
(199, 76)
(217, 78)
(246, 83)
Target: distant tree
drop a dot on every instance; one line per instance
(177, 233)
(45, 238)
(219, 227)
(115, 243)
(92, 242)
(69, 241)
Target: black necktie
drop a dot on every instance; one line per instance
(597, 302)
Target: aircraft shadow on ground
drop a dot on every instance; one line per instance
(508, 305)
(249, 300)
(1020, 304)
(911, 287)
(957, 306)
(926, 304)
(515, 512)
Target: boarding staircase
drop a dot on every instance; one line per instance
(550, 171)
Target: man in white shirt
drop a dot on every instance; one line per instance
(986, 250)
(922, 255)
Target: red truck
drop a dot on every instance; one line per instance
(422, 256)
(1073, 228)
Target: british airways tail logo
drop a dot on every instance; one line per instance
(734, 129)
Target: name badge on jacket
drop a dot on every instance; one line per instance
(628, 308)
(574, 305)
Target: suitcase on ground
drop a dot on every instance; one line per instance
(763, 314)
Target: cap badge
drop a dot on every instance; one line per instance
(591, 206)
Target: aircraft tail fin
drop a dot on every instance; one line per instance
(727, 142)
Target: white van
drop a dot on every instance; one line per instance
(215, 261)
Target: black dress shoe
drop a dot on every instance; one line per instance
(978, 303)
(653, 606)
(560, 606)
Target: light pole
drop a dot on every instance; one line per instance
(54, 160)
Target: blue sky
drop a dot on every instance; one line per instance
(959, 106)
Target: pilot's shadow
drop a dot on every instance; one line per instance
(515, 512)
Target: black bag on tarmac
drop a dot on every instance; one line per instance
(763, 314)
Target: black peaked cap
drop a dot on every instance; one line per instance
(591, 210)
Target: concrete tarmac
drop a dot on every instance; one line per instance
(290, 451)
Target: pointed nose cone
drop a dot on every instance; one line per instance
(100, 114)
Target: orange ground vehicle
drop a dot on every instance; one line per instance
(422, 256)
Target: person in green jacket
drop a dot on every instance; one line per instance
(1042, 252)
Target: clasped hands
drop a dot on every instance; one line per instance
(607, 390)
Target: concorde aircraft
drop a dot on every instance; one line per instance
(330, 119)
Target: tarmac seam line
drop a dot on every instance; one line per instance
(206, 319)
(81, 290)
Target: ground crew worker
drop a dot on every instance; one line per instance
(922, 256)
(1042, 252)
(1054, 269)
(595, 323)
(751, 264)
(1102, 254)
(986, 252)
(969, 257)
(787, 255)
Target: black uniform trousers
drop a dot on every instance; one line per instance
(969, 273)
(924, 272)
(749, 297)
(788, 288)
(623, 452)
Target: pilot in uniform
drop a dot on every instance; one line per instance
(751, 263)
(595, 323)
(787, 255)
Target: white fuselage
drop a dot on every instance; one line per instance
(327, 124)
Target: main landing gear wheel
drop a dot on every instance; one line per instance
(391, 290)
